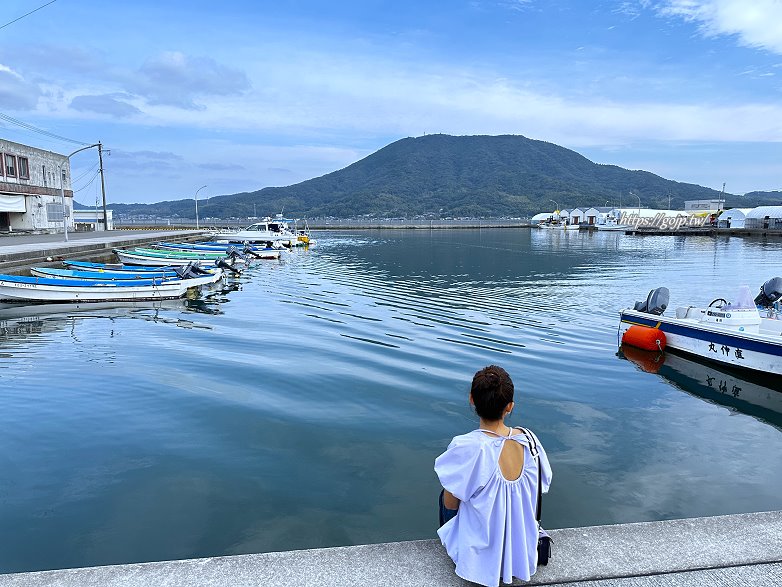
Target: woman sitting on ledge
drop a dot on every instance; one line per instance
(490, 480)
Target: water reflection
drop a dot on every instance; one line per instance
(754, 394)
(303, 402)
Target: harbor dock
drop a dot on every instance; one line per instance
(20, 252)
(722, 551)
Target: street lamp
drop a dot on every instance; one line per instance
(61, 173)
(639, 202)
(196, 204)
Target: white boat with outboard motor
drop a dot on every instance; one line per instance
(42, 289)
(744, 333)
(274, 230)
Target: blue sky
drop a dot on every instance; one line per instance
(240, 95)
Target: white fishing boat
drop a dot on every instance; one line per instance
(612, 224)
(275, 230)
(744, 333)
(42, 289)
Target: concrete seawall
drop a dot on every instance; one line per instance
(741, 549)
(19, 252)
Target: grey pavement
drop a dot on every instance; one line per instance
(740, 549)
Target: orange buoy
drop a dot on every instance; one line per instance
(644, 337)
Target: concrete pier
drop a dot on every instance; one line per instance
(722, 551)
(17, 252)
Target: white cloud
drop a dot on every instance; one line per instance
(110, 104)
(175, 79)
(756, 23)
(323, 96)
(16, 93)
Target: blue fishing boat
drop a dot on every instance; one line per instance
(43, 289)
(53, 273)
(100, 267)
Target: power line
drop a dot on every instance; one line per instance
(28, 14)
(76, 180)
(38, 130)
(97, 173)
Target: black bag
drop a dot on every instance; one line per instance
(544, 540)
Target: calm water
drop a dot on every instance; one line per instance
(304, 405)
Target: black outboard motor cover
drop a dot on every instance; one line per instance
(223, 264)
(770, 292)
(656, 302)
(189, 271)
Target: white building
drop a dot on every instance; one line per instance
(693, 206)
(597, 215)
(733, 218)
(764, 217)
(30, 182)
(577, 216)
(92, 219)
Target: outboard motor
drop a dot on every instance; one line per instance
(189, 271)
(248, 250)
(224, 264)
(656, 302)
(770, 292)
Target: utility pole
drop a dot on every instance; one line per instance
(102, 189)
(61, 173)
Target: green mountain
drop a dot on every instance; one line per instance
(447, 176)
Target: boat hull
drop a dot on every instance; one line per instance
(743, 350)
(51, 273)
(129, 258)
(113, 267)
(36, 289)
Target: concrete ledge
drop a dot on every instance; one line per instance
(30, 253)
(725, 550)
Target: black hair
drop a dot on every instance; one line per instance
(492, 391)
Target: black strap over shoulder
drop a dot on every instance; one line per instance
(535, 455)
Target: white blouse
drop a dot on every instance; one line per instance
(495, 533)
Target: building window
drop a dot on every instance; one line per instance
(54, 213)
(10, 165)
(43, 169)
(24, 168)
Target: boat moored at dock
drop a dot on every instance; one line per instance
(42, 289)
(745, 333)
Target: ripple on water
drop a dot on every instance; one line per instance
(302, 405)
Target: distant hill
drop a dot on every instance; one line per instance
(449, 176)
